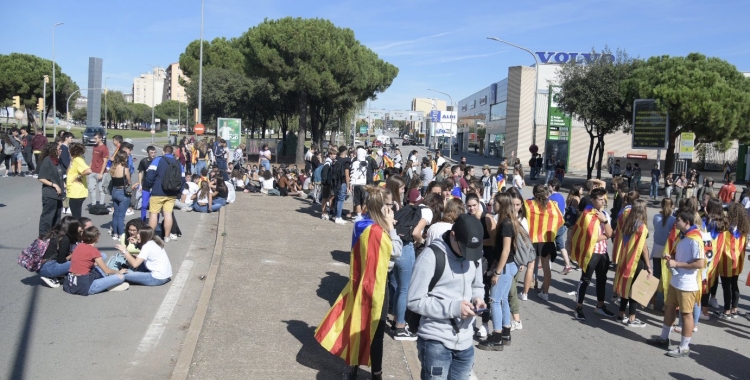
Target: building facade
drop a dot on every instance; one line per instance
(94, 94)
(172, 88)
(148, 89)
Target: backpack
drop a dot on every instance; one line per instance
(117, 262)
(570, 217)
(172, 180)
(31, 257)
(317, 173)
(9, 150)
(525, 252)
(98, 209)
(407, 217)
(326, 177)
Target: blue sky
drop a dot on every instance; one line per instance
(435, 44)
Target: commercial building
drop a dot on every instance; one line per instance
(148, 89)
(172, 88)
(505, 110)
(81, 102)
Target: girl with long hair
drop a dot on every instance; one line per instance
(56, 259)
(523, 233)
(76, 186)
(663, 223)
(453, 208)
(50, 174)
(129, 239)
(151, 267)
(120, 200)
(734, 259)
(571, 206)
(634, 258)
(396, 185)
(545, 219)
(364, 301)
(200, 157)
(715, 228)
(88, 273)
(204, 198)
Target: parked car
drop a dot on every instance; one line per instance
(88, 135)
(409, 141)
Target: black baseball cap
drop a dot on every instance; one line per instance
(469, 233)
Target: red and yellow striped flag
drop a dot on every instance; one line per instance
(349, 327)
(617, 244)
(543, 223)
(669, 249)
(500, 178)
(630, 253)
(387, 161)
(584, 236)
(733, 260)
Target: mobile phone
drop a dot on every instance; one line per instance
(480, 310)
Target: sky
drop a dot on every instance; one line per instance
(435, 44)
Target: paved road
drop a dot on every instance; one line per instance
(133, 334)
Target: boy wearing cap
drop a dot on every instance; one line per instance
(445, 336)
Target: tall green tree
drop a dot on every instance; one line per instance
(591, 93)
(220, 53)
(706, 96)
(170, 109)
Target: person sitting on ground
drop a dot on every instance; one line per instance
(129, 239)
(185, 203)
(151, 266)
(88, 273)
(56, 259)
(238, 180)
(204, 199)
(286, 184)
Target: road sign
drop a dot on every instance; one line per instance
(650, 125)
(434, 116)
(687, 145)
(173, 126)
(199, 129)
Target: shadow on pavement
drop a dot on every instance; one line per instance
(341, 256)
(33, 280)
(682, 376)
(330, 286)
(312, 354)
(22, 346)
(726, 363)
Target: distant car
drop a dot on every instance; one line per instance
(88, 135)
(409, 141)
(357, 143)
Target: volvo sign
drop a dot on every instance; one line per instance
(562, 57)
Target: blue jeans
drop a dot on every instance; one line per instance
(499, 308)
(199, 166)
(101, 284)
(121, 202)
(550, 174)
(145, 197)
(440, 363)
(52, 269)
(142, 276)
(204, 208)
(654, 189)
(222, 165)
(400, 277)
(266, 165)
(340, 197)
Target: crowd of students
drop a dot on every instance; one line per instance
(432, 231)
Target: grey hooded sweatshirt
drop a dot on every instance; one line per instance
(461, 281)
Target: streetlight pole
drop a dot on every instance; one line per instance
(153, 92)
(106, 124)
(200, 73)
(54, 98)
(44, 103)
(67, 103)
(450, 148)
(536, 80)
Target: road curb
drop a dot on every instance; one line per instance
(182, 367)
(411, 356)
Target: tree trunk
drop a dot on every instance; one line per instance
(302, 109)
(263, 128)
(589, 159)
(669, 158)
(601, 155)
(315, 126)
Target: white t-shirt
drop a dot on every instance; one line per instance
(264, 154)
(359, 173)
(518, 182)
(436, 231)
(687, 251)
(440, 161)
(156, 260)
(397, 161)
(192, 189)
(306, 184)
(426, 214)
(267, 183)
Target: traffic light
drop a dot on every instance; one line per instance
(40, 105)
(17, 102)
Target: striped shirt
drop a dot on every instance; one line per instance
(601, 246)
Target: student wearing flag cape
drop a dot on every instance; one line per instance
(634, 257)
(545, 218)
(714, 232)
(354, 327)
(683, 287)
(628, 201)
(501, 176)
(732, 262)
(589, 249)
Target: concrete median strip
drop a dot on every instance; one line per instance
(182, 367)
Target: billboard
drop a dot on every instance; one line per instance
(173, 126)
(230, 130)
(687, 145)
(558, 123)
(650, 125)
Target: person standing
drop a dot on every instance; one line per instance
(37, 144)
(99, 158)
(734, 259)
(589, 249)
(634, 257)
(683, 287)
(342, 181)
(559, 200)
(221, 154)
(142, 169)
(679, 187)
(663, 223)
(65, 138)
(120, 200)
(26, 151)
(489, 184)
(75, 182)
(264, 158)
(162, 200)
(53, 188)
(655, 176)
(533, 168)
(448, 304)
(545, 219)
(551, 164)
(727, 192)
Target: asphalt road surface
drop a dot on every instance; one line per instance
(137, 333)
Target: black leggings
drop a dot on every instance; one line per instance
(712, 292)
(598, 264)
(6, 159)
(629, 304)
(376, 346)
(76, 205)
(731, 290)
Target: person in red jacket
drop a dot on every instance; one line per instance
(726, 193)
(37, 145)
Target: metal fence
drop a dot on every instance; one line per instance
(715, 159)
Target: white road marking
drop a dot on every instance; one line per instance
(153, 334)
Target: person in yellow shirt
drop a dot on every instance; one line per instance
(75, 185)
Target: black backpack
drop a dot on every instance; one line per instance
(172, 180)
(407, 218)
(570, 217)
(325, 174)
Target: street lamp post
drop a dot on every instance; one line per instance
(200, 74)
(536, 80)
(54, 98)
(450, 148)
(153, 92)
(44, 102)
(106, 123)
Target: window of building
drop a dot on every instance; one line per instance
(498, 111)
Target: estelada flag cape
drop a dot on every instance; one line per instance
(617, 244)
(674, 238)
(349, 327)
(500, 180)
(543, 223)
(733, 259)
(584, 236)
(387, 161)
(713, 246)
(630, 253)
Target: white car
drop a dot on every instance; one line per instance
(357, 143)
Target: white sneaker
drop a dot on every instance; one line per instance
(110, 231)
(129, 212)
(704, 317)
(544, 296)
(120, 287)
(36, 176)
(52, 283)
(186, 209)
(66, 211)
(172, 237)
(324, 217)
(115, 237)
(482, 331)
(523, 296)
(166, 240)
(340, 221)
(515, 325)
(714, 303)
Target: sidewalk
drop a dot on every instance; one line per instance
(281, 269)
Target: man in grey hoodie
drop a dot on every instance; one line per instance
(445, 333)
